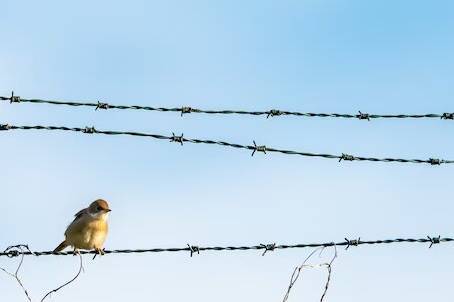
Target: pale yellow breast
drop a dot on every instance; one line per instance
(87, 232)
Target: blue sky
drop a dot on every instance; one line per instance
(319, 56)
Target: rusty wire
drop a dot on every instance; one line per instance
(16, 250)
(180, 139)
(19, 249)
(268, 113)
(297, 271)
(81, 268)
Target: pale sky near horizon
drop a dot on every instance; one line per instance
(310, 56)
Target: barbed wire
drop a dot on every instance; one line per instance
(268, 113)
(192, 249)
(254, 148)
(15, 275)
(19, 248)
(23, 250)
(294, 278)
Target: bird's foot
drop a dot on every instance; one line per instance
(76, 252)
(98, 251)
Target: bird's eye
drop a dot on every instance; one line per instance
(99, 208)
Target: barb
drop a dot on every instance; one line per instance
(346, 157)
(12, 99)
(258, 149)
(273, 112)
(363, 116)
(434, 240)
(4, 127)
(89, 130)
(14, 251)
(177, 138)
(254, 148)
(102, 105)
(185, 110)
(447, 116)
(268, 247)
(435, 161)
(81, 267)
(353, 242)
(426, 240)
(193, 249)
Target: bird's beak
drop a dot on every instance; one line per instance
(108, 210)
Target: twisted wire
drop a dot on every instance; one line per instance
(268, 113)
(190, 248)
(254, 148)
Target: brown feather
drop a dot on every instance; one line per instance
(61, 247)
(80, 213)
(87, 232)
(89, 228)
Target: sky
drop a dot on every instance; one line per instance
(310, 56)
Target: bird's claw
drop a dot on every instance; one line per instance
(98, 251)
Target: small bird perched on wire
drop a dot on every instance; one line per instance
(89, 229)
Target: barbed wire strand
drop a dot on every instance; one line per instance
(19, 247)
(18, 250)
(254, 148)
(269, 113)
(81, 268)
(268, 247)
(347, 243)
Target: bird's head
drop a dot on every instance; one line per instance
(99, 208)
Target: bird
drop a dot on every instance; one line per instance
(89, 229)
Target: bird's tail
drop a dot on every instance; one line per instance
(61, 246)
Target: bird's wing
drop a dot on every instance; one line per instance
(77, 216)
(80, 213)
